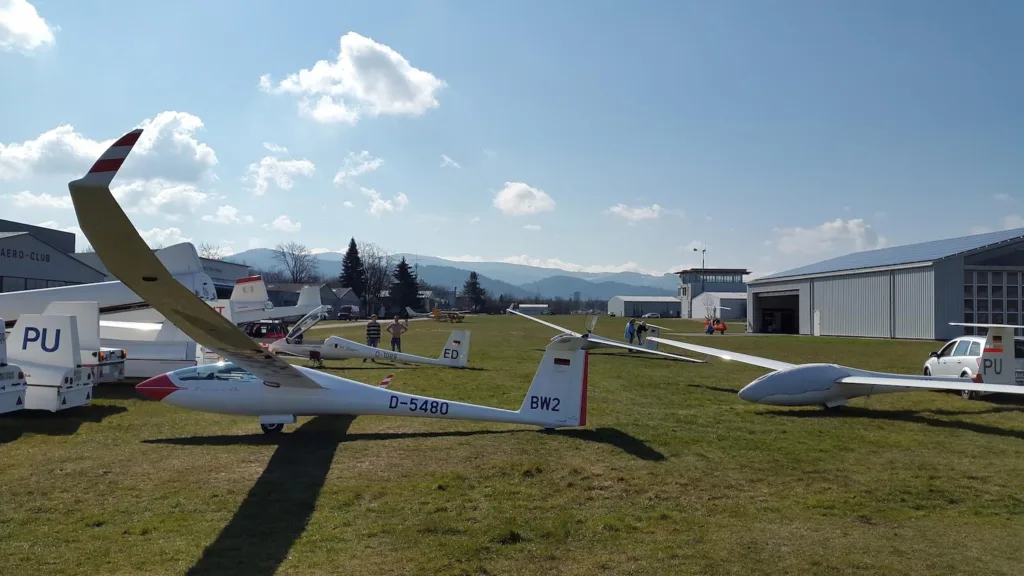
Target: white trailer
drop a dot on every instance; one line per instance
(47, 350)
(105, 363)
(12, 380)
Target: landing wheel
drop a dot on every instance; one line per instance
(927, 371)
(832, 408)
(969, 394)
(272, 428)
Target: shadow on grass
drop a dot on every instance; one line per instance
(279, 505)
(613, 436)
(914, 416)
(714, 388)
(119, 391)
(63, 423)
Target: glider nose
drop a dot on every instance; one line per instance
(753, 392)
(157, 388)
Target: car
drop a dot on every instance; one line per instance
(962, 357)
(651, 315)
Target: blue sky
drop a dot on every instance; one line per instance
(614, 137)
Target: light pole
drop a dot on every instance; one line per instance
(702, 251)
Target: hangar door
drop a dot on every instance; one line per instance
(778, 312)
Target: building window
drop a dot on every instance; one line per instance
(968, 305)
(968, 276)
(997, 278)
(982, 291)
(982, 277)
(1011, 305)
(997, 305)
(1012, 318)
(1011, 279)
(9, 284)
(982, 305)
(1012, 291)
(997, 291)
(997, 317)
(968, 291)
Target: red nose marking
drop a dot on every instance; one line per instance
(157, 388)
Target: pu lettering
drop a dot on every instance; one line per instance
(549, 403)
(34, 335)
(992, 366)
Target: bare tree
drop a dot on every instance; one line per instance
(274, 276)
(708, 302)
(300, 265)
(377, 265)
(211, 251)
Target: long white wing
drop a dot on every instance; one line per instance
(548, 324)
(610, 342)
(726, 355)
(126, 256)
(907, 381)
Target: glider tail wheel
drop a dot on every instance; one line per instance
(272, 428)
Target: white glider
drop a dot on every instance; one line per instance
(254, 382)
(455, 353)
(594, 341)
(832, 385)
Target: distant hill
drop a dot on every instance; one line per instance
(516, 280)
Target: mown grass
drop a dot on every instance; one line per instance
(674, 475)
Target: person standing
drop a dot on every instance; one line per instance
(396, 329)
(641, 331)
(630, 330)
(372, 334)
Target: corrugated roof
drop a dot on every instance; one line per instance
(649, 299)
(726, 295)
(899, 255)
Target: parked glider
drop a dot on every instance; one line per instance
(832, 385)
(455, 353)
(257, 383)
(595, 341)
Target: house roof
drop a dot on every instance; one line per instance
(741, 271)
(902, 255)
(60, 253)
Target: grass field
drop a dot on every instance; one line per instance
(674, 475)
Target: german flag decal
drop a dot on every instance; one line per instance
(996, 339)
(992, 351)
(562, 361)
(456, 342)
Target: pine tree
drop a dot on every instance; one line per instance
(474, 291)
(352, 273)
(405, 287)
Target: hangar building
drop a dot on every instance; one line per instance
(911, 291)
(637, 306)
(724, 283)
(33, 257)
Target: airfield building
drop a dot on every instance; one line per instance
(911, 291)
(637, 306)
(723, 283)
(533, 309)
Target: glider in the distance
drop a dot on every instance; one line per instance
(594, 341)
(257, 383)
(455, 353)
(832, 385)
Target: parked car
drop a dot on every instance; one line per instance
(962, 357)
(652, 315)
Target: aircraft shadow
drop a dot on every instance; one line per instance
(14, 425)
(913, 416)
(613, 436)
(118, 391)
(714, 388)
(279, 505)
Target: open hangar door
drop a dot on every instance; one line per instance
(778, 312)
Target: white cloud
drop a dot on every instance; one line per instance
(1003, 197)
(357, 165)
(490, 153)
(284, 224)
(531, 227)
(26, 199)
(1012, 221)
(227, 215)
(367, 78)
(347, 204)
(447, 161)
(168, 149)
(518, 199)
(274, 148)
(271, 170)
(837, 235)
(163, 236)
(378, 205)
(22, 28)
(634, 215)
(325, 251)
(80, 241)
(474, 219)
(172, 200)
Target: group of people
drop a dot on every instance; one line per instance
(395, 328)
(633, 330)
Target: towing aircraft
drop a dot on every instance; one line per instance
(414, 314)
(832, 385)
(595, 341)
(455, 353)
(256, 383)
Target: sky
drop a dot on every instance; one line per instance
(618, 137)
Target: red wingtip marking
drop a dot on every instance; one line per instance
(583, 399)
(129, 139)
(157, 388)
(109, 165)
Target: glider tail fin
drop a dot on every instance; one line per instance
(45, 341)
(558, 394)
(308, 296)
(998, 361)
(250, 289)
(456, 350)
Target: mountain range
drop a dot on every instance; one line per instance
(516, 280)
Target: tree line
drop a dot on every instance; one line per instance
(374, 276)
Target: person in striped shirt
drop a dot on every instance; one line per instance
(372, 334)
